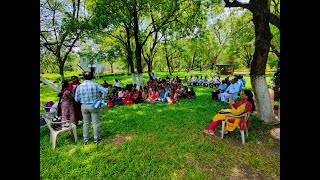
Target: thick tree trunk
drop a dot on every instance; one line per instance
(134, 78)
(140, 80)
(262, 98)
(258, 65)
(261, 16)
(129, 51)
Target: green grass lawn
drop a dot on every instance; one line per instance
(160, 141)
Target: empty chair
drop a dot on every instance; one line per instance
(65, 126)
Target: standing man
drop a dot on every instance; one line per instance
(86, 93)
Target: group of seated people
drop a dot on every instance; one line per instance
(196, 81)
(224, 92)
(157, 90)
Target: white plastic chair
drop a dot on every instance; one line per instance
(66, 125)
(246, 117)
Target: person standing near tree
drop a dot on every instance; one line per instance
(77, 105)
(86, 94)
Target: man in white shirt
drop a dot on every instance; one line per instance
(232, 90)
(117, 84)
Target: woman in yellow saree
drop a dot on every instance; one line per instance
(246, 104)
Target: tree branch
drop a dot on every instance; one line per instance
(274, 20)
(47, 44)
(238, 4)
(121, 40)
(166, 21)
(274, 50)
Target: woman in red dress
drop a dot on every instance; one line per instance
(67, 105)
(77, 105)
(127, 97)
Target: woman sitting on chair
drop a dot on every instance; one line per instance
(246, 104)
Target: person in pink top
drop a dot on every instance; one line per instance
(154, 96)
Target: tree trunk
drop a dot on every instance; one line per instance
(168, 62)
(129, 51)
(258, 65)
(111, 66)
(167, 56)
(214, 60)
(262, 98)
(149, 66)
(193, 58)
(140, 80)
(136, 38)
(61, 72)
(134, 79)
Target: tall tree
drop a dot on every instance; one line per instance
(261, 18)
(121, 28)
(62, 26)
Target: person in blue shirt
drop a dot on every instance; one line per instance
(240, 83)
(232, 90)
(197, 81)
(167, 88)
(154, 76)
(86, 94)
(206, 81)
(221, 88)
(163, 95)
(243, 80)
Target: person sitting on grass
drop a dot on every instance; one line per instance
(127, 97)
(135, 96)
(201, 80)
(109, 103)
(185, 83)
(154, 96)
(173, 97)
(120, 94)
(197, 81)
(191, 81)
(163, 95)
(205, 81)
(246, 104)
(145, 95)
(105, 84)
(191, 94)
(221, 88)
(117, 84)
